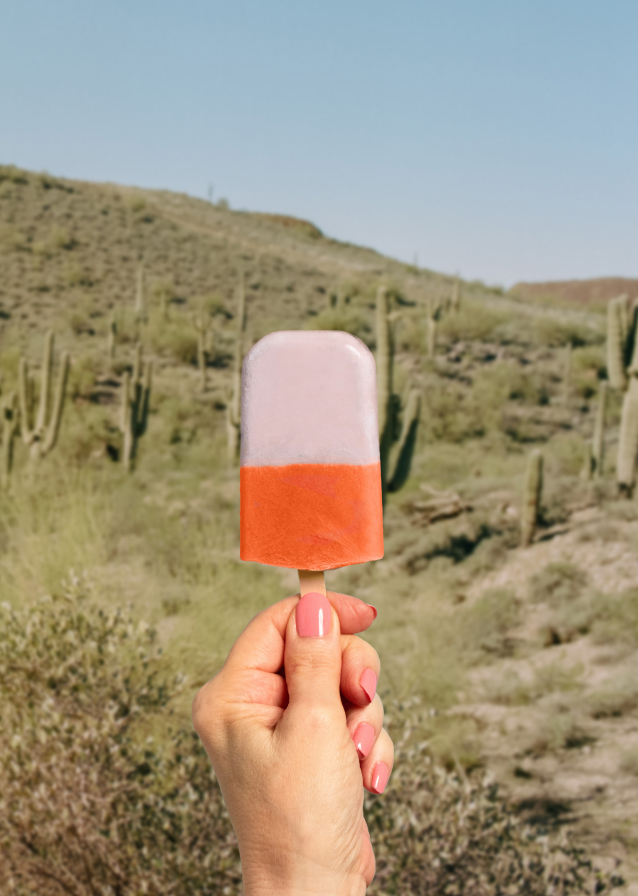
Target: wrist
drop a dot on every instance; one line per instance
(300, 880)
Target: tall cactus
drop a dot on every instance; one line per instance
(567, 372)
(622, 366)
(42, 436)
(9, 429)
(435, 311)
(233, 408)
(455, 299)
(618, 326)
(532, 493)
(111, 338)
(136, 399)
(140, 294)
(396, 445)
(203, 325)
(628, 441)
(598, 441)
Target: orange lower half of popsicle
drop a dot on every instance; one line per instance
(311, 516)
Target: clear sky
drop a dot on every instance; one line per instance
(498, 138)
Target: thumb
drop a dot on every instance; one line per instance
(312, 655)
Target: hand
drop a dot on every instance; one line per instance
(283, 748)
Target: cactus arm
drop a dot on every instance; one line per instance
(628, 441)
(53, 427)
(616, 342)
(532, 491)
(26, 405)
(45, 389)
(407, 442)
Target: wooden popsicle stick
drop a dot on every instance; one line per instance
(311, 580)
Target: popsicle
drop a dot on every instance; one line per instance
(310, 477)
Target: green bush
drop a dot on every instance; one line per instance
(473, 323)
(104, 790)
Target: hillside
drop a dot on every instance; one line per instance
(583, 293)
(524, 659)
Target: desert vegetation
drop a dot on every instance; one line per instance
(507, 605)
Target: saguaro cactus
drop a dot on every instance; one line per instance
(567, 372)
(111, 338)
(9, 429)
(396, 443)
(598, 441)
(532, 493)
(233, 408)
(203, 325)
(622, 366)
(435, 311)
(42, 436)
(140, 294)
(618, 331)
(455, 299)
(136, 399)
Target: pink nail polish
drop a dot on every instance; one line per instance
(380, 775)
(369, 684)
(314, 615)
(363, 739)
(374, 609)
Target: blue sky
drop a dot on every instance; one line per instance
(498, 138)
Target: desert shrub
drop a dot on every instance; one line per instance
(554, 332)
(82, 376)
(450, 413)
(629, 762)
(437, 832)
(474, 322)
(485, 625)
(177, 338)
(508, 381)
(608, 618)
(93, 799)
(556, 584)
(104, 790)
(615, 618)
(588, 367)
(617, 695)
(348, 319)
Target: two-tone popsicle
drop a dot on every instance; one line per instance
(310, 474)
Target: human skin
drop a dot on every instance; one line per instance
(293, 728)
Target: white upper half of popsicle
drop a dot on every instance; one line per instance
(309, 397)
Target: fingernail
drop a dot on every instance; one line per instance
(369, 684)
(374, 610)
(380, 775)
(363, 739)
(313, 615)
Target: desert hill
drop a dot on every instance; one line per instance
(583, 293)
(523, 660)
